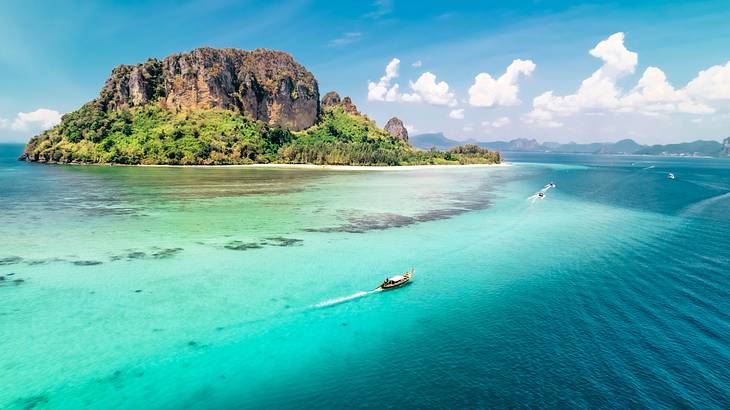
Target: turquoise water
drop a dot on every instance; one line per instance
(170, 288)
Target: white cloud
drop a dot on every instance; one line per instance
(541, 118)
(410, 128)
(457, 114)
(598, 91)
(382, 90)
(38, 120)
(428, 90)
(393, 93)
(488, 92)
(416, 64)
(651, 88)
(653, 95)
(425, 89)
(468, 128)
(497, 123)
(617, 60)
(409, 97)
(691, 107)
(712, 83)
(344, 39)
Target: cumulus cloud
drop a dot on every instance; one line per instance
(416, 64)
(410, 128)
(428, 90)
(652, 95)
(712, 83)
(497, 123)
(382, 90)
(38, 120)
(503, 91)
(617, 59)
(541, 118)
(424, 89)
(457, 114)
(598, 91)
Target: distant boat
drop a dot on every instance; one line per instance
(670, 176)
(397, 281)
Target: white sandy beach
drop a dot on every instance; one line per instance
(334, 167)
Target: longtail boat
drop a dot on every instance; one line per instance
(397, 281)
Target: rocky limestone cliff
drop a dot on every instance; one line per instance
(349, 107)
(332, 99)
(264, 84)
(726, 147)
(395, 127)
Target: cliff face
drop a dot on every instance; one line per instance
(726, 147)
(267, 85)
(396, 128)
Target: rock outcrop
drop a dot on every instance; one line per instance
(349, 107)
(332, 99)
(264, 84)
(395, 127)
(726, 147)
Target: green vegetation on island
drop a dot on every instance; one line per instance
(151, 134)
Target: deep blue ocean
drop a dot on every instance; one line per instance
(170, 288)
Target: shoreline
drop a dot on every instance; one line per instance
(309, 166)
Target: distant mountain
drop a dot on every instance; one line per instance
(433, 140)
(696, 148)
(520, 144)
(625, 146)
(439, 141)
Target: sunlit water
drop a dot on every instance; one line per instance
(176, 288)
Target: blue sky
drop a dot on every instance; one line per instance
(642, 80)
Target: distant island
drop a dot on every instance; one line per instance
(437, 141)
(225, 107)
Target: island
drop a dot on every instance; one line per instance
(229, 107)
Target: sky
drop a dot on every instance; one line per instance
(654, 71)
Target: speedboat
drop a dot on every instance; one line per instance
(670, 176)
(397, 280)
(541, 195)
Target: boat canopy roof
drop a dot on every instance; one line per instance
(396, 278)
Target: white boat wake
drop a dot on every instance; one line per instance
(700, 206)
(537, 195)
(337, 301)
